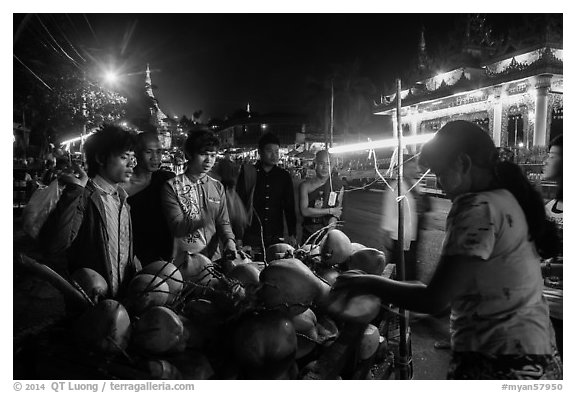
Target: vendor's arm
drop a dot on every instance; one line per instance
(179, 223)
(453, 274)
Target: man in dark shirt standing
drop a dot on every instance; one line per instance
(268, 194)
(152, 239)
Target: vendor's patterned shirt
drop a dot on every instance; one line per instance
(503, 311)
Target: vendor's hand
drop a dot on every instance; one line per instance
(78, 177)
(353, 281)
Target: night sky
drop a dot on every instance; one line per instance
(218, 63)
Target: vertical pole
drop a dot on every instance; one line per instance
(332, 113)
(84, 119)
(404, 356)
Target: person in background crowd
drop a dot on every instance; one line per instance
(268, 195)
(553, 267)
(314, 196)
(416, 204)
(91, 221)
(226, 171)
(553, 171)
(54, 171)
(489, 270)
(152, 239)
(195, 204)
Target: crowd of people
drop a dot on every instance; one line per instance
(124, 212)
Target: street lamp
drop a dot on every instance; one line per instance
(111, 77)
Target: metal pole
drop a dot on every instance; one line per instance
(84, 119)
(404, 356)
(332, 113)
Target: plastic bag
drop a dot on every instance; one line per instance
(42, 202)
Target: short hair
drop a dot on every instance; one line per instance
(268, 139)
(144, 137)
(108, 141)
(199, 141)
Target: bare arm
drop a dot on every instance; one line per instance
(453, 274)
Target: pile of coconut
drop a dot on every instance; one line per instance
(233, 319)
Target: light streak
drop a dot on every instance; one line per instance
(391, 142)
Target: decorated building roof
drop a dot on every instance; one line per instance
(544, 59)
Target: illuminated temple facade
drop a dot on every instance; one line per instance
(517, 98)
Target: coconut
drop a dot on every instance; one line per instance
(193, 365)
(158, 331)
(104, 327)
(198, 334)
(306, 344)
(246, 274)
(289, 284)
(194, 266)
(359, 308)
(279, 251)
(305, 321)
(357, 246)
(369, 342)
(169, 272)
(229, 264)
(330, 275)
(91, 282)
(368, 260)
(263, 340)
(335, 248)
(162, 369)
(146, 290)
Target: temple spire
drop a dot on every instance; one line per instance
(157, 116)
(148, 79)
(423, 62)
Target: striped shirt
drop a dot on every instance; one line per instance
(117, 228)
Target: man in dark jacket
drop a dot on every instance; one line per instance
(91, 221)
(268, 194)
